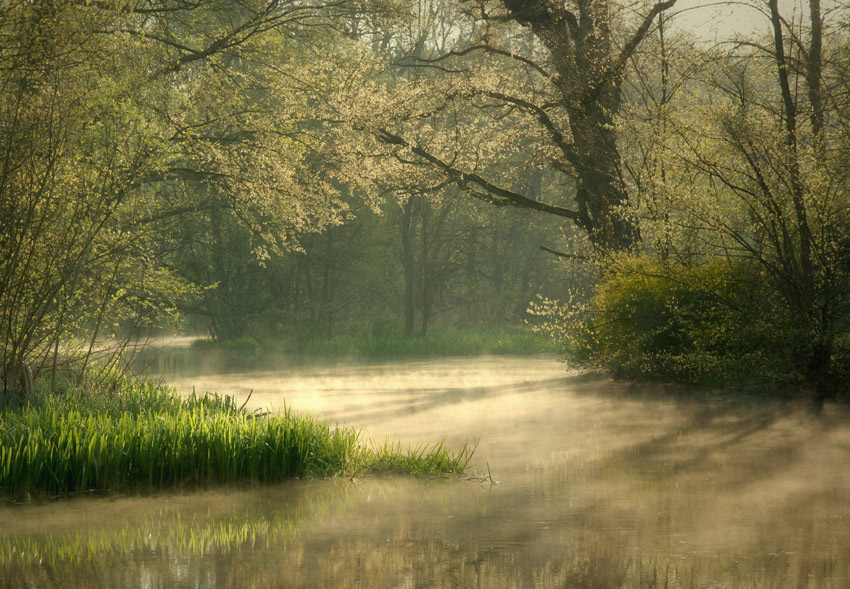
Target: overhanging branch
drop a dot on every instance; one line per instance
(470, 180)
(487, 49)
(565, 146)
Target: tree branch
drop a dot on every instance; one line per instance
(639, 35)
(566, 147)
(563, 255)
(488, 49)
(466, 179)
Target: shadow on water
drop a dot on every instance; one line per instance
(604, 484)
(426, 399)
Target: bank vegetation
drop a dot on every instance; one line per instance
(323, 171)
(143, 436)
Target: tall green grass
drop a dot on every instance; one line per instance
(147, 435)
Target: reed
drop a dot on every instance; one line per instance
(421, 460)
(147, 435)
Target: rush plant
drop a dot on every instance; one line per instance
(146, 435)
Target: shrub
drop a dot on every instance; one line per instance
(701, 322)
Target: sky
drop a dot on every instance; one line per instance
(713, 20)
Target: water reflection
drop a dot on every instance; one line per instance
(602, 484)
(161, 541)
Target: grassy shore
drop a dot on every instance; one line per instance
(146, 435)
(394, 345)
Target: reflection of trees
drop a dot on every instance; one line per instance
(674, 491)
(737, 493)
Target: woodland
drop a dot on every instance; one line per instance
(659, 203)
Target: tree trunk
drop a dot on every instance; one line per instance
(590, 72)
(816, 320)
(408, 262)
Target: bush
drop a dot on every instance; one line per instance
(705, 322)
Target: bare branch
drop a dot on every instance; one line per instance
(639, 35)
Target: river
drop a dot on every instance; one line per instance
(587, 482)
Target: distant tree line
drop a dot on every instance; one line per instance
(418, 264)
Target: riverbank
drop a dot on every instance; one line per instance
(519, 341)
(142, 434)
(633, 482)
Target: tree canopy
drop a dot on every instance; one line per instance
(315, 166)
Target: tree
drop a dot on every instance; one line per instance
(791, 190)
(555, 94)
(590, 72)
(115, 120)
(755, 258)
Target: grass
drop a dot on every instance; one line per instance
(515, 341)
(146, 435)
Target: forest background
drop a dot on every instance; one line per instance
(304, 170)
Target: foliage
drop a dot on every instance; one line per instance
(705, 322)
(529, 87)
(74, 144)
(121, 123)
(469, 271)
(146, 435)
(736, 153)
(292, 169)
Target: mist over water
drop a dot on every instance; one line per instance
(600, 484)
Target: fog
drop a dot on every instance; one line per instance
(724, 21)
(581, 481)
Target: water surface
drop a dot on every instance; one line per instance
(600, 484)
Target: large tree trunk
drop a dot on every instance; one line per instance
(603, 203)
(589, 77)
